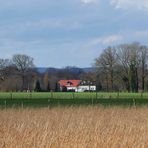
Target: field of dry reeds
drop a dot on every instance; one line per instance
(72, 127)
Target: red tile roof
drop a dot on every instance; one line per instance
(69, 83)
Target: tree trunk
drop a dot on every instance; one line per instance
(112, 80)
(137, 81)
(143, 76)
(23, 82)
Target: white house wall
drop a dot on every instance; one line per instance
(81, 88)
(84, 88)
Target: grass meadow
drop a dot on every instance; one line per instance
(74, 127)
(71, 95)
(33, 99)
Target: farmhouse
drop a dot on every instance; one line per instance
(77, 85)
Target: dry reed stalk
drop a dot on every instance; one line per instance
(74, 127)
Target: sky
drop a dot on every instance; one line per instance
(69, 32)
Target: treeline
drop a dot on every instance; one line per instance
(119, 68)
(17, 73)
(123, 68)
(20, 74)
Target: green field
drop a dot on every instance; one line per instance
(87, 98)
(70, 95)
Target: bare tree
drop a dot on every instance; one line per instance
(123, 66)
(24, 64)
(143, 57)
(4, 68)
(106, 63)
(129, 62)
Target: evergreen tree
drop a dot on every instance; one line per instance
(48, 86)
(57, 87)
(37, 86)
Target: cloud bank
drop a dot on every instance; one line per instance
(126, 4)
(90, 1)
(71, 31)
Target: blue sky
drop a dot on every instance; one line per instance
(69, 32)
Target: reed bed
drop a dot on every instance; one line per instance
(74, 127)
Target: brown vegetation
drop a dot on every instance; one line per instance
(74, 127)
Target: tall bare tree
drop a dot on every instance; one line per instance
(123, 67)
(143, 57)
(129, 62)
(24, 64)
(106, 63)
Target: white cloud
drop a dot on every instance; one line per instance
(16, 3)
(90, 1)
(107, 40)
(37, 28)
(125, 4)
(141, 33)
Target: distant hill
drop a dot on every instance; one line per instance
(41, 69)
(72, 69)
(88, 69)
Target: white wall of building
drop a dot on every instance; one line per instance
(84, 88)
